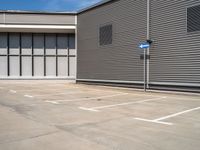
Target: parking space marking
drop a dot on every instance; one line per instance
(24, 90)
(177, 114)
(182, 99)
(43, 95)
(159, 120)
(85, 99)
(12, 91)
(62, 86)
(88, 109)
(52, 102)
(154, 121)
(29, 96)
(121, 104)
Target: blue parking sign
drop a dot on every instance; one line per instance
(144, 45)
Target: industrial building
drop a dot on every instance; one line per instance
(100, 44)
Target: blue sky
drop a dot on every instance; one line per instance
(46, 5)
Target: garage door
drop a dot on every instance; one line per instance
(25, 55)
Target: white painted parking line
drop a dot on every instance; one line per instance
(85, 99)
(62, 86)
(88, 109)
(154, 121)
(12, 91)
(52, 102)
(177, 114)
(121, 104)
(159, 120)
(24, 90)
(29, 96)
(66, 93)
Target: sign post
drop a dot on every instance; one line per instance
(145, 70)
(144, 46)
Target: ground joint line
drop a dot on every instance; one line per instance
(121, 104)
(85, 99)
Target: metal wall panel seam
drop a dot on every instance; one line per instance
(44, 54)
(20, 54)
(76, 46)
(32, 42)
(56, 54)
(68, 54)
(8, 52)
(148, 38)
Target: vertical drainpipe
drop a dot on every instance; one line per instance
(148, 37)
(76, 41)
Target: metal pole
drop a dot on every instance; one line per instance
(8, 53)
(68, 44)
(44, 55)
(32, 54)
(148, 37)
(56, 54)
(145, 71)
(20, 54)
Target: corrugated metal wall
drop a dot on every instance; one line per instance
(175, 54)
(121, 60)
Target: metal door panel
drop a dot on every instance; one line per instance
(50, 43)
(38, 44)
(26, 66)
(26, 44)
(39, 66)
(3, 66)
(62, 66)
(14, 66)
(50, 66)
(3, 44)
(14, 44)
(62, 44)
(72, 66)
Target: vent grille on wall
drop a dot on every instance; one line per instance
(105, 35)
(193, 18)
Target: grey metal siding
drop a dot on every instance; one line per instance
(46, 19)
(175, 53)
(120, 60)
(32, 55)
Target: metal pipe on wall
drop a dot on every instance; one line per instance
(148, 37)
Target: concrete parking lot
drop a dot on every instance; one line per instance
(56, 115)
